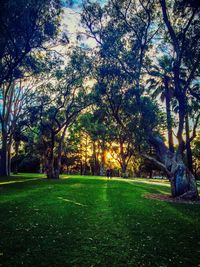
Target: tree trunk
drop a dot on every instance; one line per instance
(122, 160)
(183, 183)
(85, 165)
(169, 117)
(81, 168)
(9, 159)
(188, 146)
(58, 161)
(42, 164)
(9, 146)
(123, 170)
(50, 168)
(41, 167)
(15, 169)
(59, 158)
(50, 159)
(4, 153)
(95, 167)
(102, 165)
(150, 174)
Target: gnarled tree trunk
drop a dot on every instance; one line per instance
(183, 183)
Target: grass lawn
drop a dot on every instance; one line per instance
(92, 221)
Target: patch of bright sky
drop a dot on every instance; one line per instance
(74, 4)
(72, 22)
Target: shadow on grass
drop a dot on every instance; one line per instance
(114, 225)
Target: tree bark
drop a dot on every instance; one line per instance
(183, 184)
(95, 167)
(123, 158)
(81, 168)
(15, 169)
(59, 156)
(182, 180)
(123, 169)
(182, 110)
(50, 168)
(9, 159)
(85, 165)
(169, 117)
(50, 159)
(188, 145)
(4, 153)
(102, 165)
(150, 174)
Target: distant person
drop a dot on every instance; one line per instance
(109, 173)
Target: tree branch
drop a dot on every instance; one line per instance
(159, 164)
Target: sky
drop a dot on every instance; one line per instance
(71, 21)
(76, 3)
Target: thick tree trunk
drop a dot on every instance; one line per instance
(4, 154)
(59, 157)
(182, 180)
(57, 169)
(123, 170)
(50, 171)
(150, 174)
(58, 161)
(183, 183)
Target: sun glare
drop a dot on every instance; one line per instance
(108, 156)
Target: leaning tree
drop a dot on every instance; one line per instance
(126, 33)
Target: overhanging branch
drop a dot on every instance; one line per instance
(159, 164)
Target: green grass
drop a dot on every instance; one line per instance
(92, 221)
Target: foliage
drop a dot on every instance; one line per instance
(25, 26)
